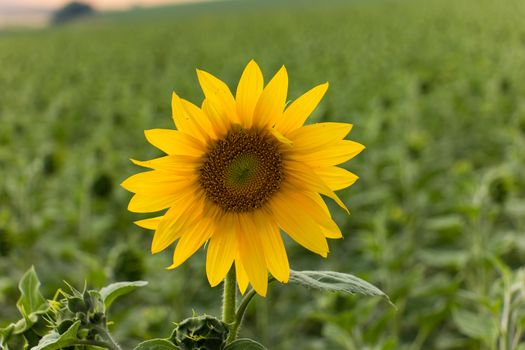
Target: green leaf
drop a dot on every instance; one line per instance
(5, 333)
(30, 300)
(54, 340)
(244, 344)
(480, 327)
(335, 282)
(156, 344)
(115, 290)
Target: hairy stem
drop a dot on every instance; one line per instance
(228, 299)
(240, 314)
(241, 310)
(100, 344)
(104, 333)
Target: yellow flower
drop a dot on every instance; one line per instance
(237, 170)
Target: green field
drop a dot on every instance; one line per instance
(435, 90)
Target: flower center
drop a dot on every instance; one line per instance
(243, 170)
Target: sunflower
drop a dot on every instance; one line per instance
(238, 170)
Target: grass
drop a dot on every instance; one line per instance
(434, 90)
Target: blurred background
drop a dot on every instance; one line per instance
(435, 90)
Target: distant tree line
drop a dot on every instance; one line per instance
(72, 11)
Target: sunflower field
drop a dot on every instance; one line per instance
(435, 90)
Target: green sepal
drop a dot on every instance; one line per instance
(156, 344)
(244, 344)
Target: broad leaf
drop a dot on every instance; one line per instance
(30, 300)
(115, 290)
(335, 282)
(476, 326)
(5, 333)
(54, 340)
(156, 344)
(244, 344)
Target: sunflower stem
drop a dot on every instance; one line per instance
(228, 299)
(240, 315)
(104, 333)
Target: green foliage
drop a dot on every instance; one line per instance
(55, 340)
(335, 282)
(115, 290)
(78, 318)
(34, 310)
(31, 303)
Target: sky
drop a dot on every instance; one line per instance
(13, 5)
(35, 13)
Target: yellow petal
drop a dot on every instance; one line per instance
(273, 247)
(187, 119)
(281, 137)
(177, 165)
(181, 217)
(156, 182)
(219, 96)
(319, 135)
(296, 114)
(270, 106)
(298, 224)
(222, 249)
(336, 178)
(300, 175)
(142, 203)
(252, 256)
(191, 241)
(150, 224)
(334, 154)
(175, 142)
(242, 277)
(201, 120)
(248, 92)
(314, 205)
(219, 125)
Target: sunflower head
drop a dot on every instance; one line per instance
(239, 170)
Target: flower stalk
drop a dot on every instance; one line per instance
(229, 298)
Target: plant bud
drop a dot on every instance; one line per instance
(76, 304)
(129, 265)
(499, 189)
(201, 333)
(5, 242)
(102, 186)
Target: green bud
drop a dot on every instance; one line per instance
(82, 317)
(97, 318)
(5, 242)
(499, 189)
(521, 121)
(76, 304)
(129, 265)
(64, 326)
(416, 143)
(102, 186)
(201, 333)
